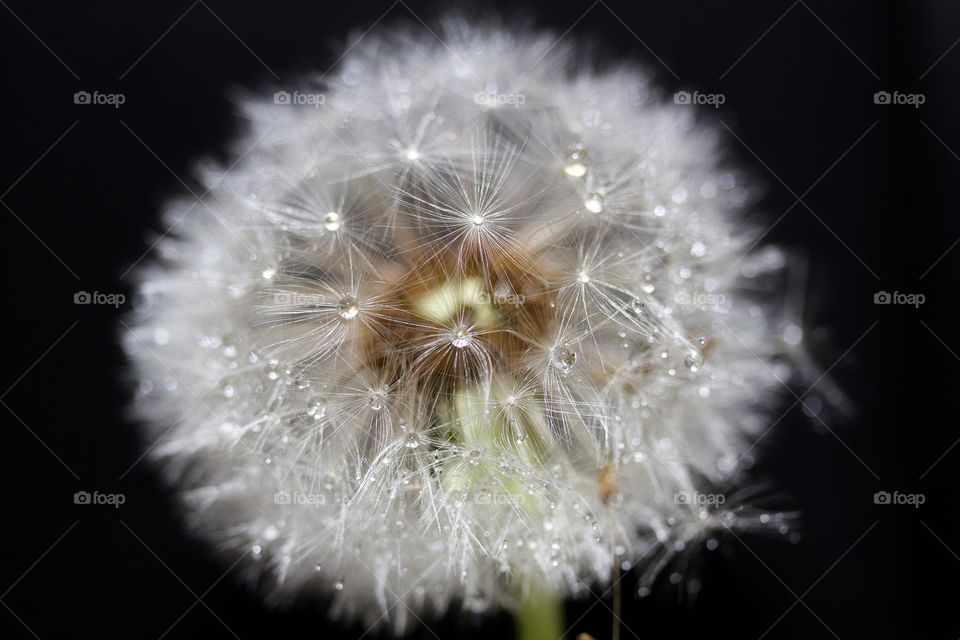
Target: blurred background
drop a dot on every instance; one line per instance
(843, 111)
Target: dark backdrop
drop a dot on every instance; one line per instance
(81, 185)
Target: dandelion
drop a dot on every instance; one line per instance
(418, 352)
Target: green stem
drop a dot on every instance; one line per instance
(540, 616)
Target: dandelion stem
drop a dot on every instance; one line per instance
(540, 616)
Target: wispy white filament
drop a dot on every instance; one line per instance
(478, 322)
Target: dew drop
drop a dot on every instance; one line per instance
(331, 221)
(317, 408)
(378, 398)
(460, 339)
(564, 358)
(583, 277)
(594, 203)
(574, 163)
(693, 359)
(348, 307)
(412, 440)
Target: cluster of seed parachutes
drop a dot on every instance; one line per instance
(421, 345)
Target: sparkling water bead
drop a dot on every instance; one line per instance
(348, 307)
(575, 163)
(594, 203)
(564, 358)
(331, 221)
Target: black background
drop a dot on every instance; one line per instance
(882, 210)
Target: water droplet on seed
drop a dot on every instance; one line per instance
(574, 164)
(594, 203)
(317, 408)
(378, 398)
(348, 307)
(564, 358)
(693, 359)
(331, 221)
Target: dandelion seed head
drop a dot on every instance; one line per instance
(439, 350)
